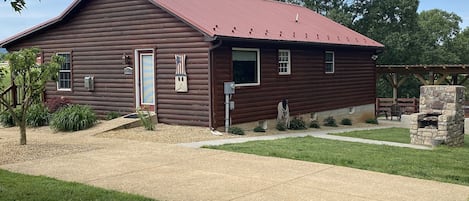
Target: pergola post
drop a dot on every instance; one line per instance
(431, 78)
(454, 79)
(394, 88)
(393, 79)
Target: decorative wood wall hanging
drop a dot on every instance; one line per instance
(181, 75)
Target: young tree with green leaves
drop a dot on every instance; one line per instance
(4, 78)
(30, 78)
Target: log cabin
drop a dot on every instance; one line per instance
(175, 56)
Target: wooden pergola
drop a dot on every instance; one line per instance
(437, 74)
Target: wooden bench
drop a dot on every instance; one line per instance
(408, 105)
(387, 107)
(383, 106)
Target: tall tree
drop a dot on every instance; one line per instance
(437, 30)
(391, 22)
(31, 79)
(394, 24)
(337, 10)
(18, 5)
(460, 46)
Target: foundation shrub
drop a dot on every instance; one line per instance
(330, 121)
(259, 129)
(236, 131)
(346, 121)
(55, 104)
(281, 126)
(314, 124)
(372, 121)
(297, 123)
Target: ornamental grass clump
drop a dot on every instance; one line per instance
(73, 118)
(37, 115)
(145, 119)
(6, 120)
(112, 115)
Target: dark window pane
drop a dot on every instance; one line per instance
(329, 67)
(245, 72)
(329, 56)
(64, 80)
(66, 64)
(244, 66)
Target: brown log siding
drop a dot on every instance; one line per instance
(308, 88)
(101, 31)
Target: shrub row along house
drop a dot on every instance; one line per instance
(174, 56)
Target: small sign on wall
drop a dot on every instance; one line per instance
(128, 70)
(180, 79)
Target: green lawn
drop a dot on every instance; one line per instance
(23, 187)
(441, 164)
(389, 134)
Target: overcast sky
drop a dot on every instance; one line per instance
(43, 10)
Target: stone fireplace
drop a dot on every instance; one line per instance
(441, 116)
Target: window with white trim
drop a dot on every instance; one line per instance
(329, 62)
(246, 66)
(65, 73)
(284, 63)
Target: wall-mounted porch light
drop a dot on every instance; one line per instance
(125, 59)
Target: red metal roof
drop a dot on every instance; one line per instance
(263, 19)
(252, 19)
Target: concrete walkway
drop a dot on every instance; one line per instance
(172, 172)
(318, 134)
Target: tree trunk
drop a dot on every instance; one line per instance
(23, 133)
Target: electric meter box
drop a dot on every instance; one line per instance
(89, 83)
(229, 88)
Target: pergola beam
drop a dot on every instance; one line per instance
(421, 79)
(441, 79)
(444, 70)
(412, 69)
